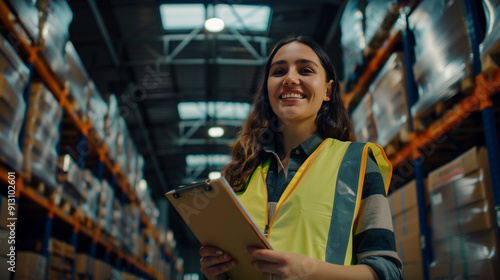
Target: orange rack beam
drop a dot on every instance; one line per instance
(485, 88)
(61, 94)
(378, 60)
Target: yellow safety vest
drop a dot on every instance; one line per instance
(316, 213)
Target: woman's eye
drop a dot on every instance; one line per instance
(306, 70)
(279, 71)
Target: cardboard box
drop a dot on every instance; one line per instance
(473, 159)
(468, 189)
(102, 270)
(413, 271)
(472, 218)
(5, 213)
(406, 223)
(473, 270)
(409, 248)
(30, 266)
(404, 198)
(480, 245)
(84, 265)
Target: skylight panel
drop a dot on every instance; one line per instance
(182, 16)
(249, 17)
(217, 110)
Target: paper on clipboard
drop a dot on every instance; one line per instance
(215, 215)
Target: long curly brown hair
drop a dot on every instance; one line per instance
(262, 125)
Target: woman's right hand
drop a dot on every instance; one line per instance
(215, 262)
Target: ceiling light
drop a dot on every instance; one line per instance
(214, 25)
(143, 185)
(214, 175)
(66, 162)
(216, 132)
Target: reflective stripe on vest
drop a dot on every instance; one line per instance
(316, 212)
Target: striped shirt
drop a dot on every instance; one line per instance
(374, 241)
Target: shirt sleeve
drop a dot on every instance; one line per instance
(374, 240)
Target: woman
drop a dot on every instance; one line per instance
(320, 199)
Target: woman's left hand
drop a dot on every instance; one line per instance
(283, 265)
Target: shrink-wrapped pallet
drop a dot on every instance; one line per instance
(111, 127)
(490, 47)
(464, 229)
(390, 105)
(77, 79)
(353, 36)
(41, 135)
(56, 17)
(12, 106)
(71, 178)
(106, 206)
(442, 51)
(91, 197)
(97, 110)
(362, 119)
(27, 11)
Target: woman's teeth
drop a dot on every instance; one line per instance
(291, 95)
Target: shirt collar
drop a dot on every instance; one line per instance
(308, 146)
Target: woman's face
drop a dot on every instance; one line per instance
(296, 84)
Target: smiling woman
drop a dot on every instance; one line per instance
(295, 171)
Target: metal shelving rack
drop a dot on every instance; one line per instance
(36, 62)
(480, 99)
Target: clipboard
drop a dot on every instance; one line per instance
(213, 212)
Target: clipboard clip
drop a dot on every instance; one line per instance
(187, 188)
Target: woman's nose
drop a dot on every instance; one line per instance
(291, 78)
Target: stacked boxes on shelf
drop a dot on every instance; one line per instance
(464, 230)
(77, 80)
(28, 12)
(102, 270)
(61, 257)
(41, 135)
(362, 119)
(442, 51)
(29, 266)
(117, 223)
(364, 25)
(106, 206)
(122, 142)
(97, 110)
(84, 266)
(132, 220)
(55, 18)
(353, 36)
(111, 127)
(390, 105)
(490, 47)
(380, 17)
(91, 196)
(71, 179)
(405, 217)
(13, 81)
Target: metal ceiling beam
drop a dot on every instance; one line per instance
(116, 60)
(193, 61)
(197, 37)
(245, 43)
(104, 31)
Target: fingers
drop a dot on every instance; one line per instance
(209, 251)
(265, 254)
(214, 262)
